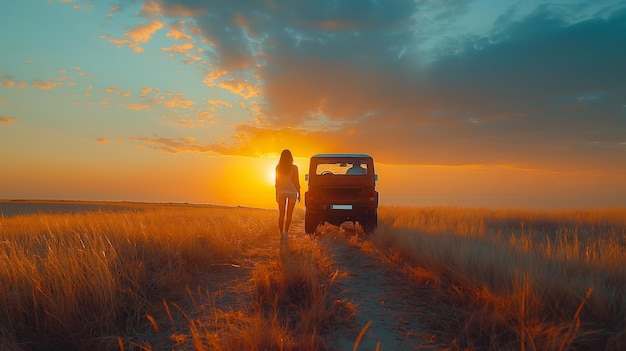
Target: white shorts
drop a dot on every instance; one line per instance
(280, 198)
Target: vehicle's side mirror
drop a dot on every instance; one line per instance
(375, 177)
(306, 177)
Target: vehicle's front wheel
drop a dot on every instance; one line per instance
(311, 221)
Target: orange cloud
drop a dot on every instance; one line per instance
(46, 85)
(243, 89)
(213, 76)
(181, 49)
(219, 103)
(7, 120)
(102, 140)
(151, 7)
(178, 101)
(118, 42)
(140, 34)
(145, 91)
(157, 7)
(116, 90)
(204, 115)
(12, 84)
(173, 145)
(143, 32)
(177, 32)
(136, 107)
(193, 123)
(249, 141)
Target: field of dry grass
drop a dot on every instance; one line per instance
(111, 280)
(525, 280)
(214, 278)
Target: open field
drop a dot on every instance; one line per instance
(528, 280)
(189, 277)
(161, 277)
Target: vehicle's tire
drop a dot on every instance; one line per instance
(311, 221)
(370, 224)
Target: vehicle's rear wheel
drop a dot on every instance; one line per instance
(370, 224)
(311, 221)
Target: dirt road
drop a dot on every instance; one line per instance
(385, 300)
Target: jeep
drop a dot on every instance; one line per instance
(342, 187)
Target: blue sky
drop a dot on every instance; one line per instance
(529, 97)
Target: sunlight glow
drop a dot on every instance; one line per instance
(271, 173)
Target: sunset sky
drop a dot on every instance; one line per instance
(475, 103)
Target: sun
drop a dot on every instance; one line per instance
(270, 174)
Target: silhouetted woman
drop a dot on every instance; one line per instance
(287, 191)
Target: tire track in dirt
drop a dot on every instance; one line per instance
(385, 297)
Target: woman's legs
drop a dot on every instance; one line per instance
(291, 203)
(286, 204)
(281, 199)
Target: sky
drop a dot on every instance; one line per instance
(517, 104)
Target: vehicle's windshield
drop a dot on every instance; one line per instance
(342, 167)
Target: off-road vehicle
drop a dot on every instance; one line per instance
(342, 187)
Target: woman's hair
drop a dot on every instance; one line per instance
(285, 162)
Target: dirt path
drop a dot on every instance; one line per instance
(384, 299)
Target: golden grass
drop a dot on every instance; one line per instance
(525, 280)
(503, 279)
(78, 281)
(290, 310)
(118, 281)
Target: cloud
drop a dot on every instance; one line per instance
(136, 107)
(143, 32)
(8, 120)
(140, 34)
(418, 82)
(178, 101)
(250, 141)
(185, 49)
(219, 103)
(10, 82)
(174, 9)
(244, 89)
(46, 84)
(177, 31)
(181, 49)
(105, 140)
(213, 76)
(173, 145)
